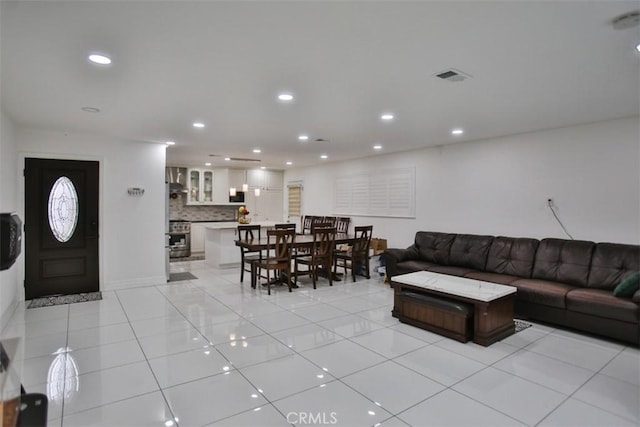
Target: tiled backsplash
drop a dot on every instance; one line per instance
(179, 210)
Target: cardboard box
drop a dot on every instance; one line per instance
(378, 245)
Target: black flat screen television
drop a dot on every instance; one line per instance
(10, 239)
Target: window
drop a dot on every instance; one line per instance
(63, 209)
(295, 199)
(386, 193)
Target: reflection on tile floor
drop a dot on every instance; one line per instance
(213, 351)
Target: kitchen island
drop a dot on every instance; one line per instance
(220, 250)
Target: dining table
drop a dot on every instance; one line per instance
(301, 242)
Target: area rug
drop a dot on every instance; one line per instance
(176, 277)
(521, 325)
(64, 299)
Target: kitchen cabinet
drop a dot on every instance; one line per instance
(200, 187)
(225, 179)
(265, 179)
(197, 236)
(268, 206)
(237, 178)
(220, 247)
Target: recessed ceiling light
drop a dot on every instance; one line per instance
(289, 163)
(207, 164)
(324, 156)
(198, 125)
(90, 109)
(257, 150)
(263, 167)
(457, 132)
(387, 116)
(285, 97)
(638, 47)
(170, 143)
(303, 137)
(227, 158)
(99, 59)
(377, 147)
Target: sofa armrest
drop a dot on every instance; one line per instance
(636, 297)
(402, 254)
(395, 255)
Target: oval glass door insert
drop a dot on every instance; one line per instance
(63, 209)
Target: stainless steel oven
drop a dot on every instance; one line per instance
(179, 239)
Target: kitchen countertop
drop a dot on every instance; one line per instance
(234, 224)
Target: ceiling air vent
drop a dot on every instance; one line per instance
(320, 140)
(236, 159)
(452, 75)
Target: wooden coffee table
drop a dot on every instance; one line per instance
(492, 303)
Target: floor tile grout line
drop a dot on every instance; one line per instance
(599, 372)
(164, 397)
(519, 349)
(554, 357)
(64, 387)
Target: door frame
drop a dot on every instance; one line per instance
(22, 155)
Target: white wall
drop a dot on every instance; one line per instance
(500, 186)
(131, 228)
(8, 203)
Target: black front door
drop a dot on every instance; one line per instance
(61, 227)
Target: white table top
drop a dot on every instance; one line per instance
(458, 286)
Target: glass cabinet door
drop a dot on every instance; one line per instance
(207, 191)
(194, 186)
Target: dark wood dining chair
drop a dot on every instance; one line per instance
(330, 219)
(359, 253)
(321, 224)
(286, 226)
(342, 224)
(278, 258)
(321, 255)
(307, 221)
(247, 256)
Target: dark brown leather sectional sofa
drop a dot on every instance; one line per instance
(565, 282)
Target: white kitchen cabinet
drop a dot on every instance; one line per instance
(220, 247)
(237, 178)
(255, 178)
(197, 236)
(265, 179)
(268, 206)
(273, 180)
(199, 187)
(225, 179)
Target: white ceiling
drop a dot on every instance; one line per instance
(534, 65)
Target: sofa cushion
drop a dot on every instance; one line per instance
(503, 279)
(405, 267)
(628, 286)
(434, 247)
(512, 256)
(450, 269)
(602, 303)
(542, 292)
(564, 261)
(611, 263)
(470, 250)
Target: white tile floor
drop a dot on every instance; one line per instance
(214, 352)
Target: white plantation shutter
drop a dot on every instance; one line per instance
(387, 193)
(294, 198)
